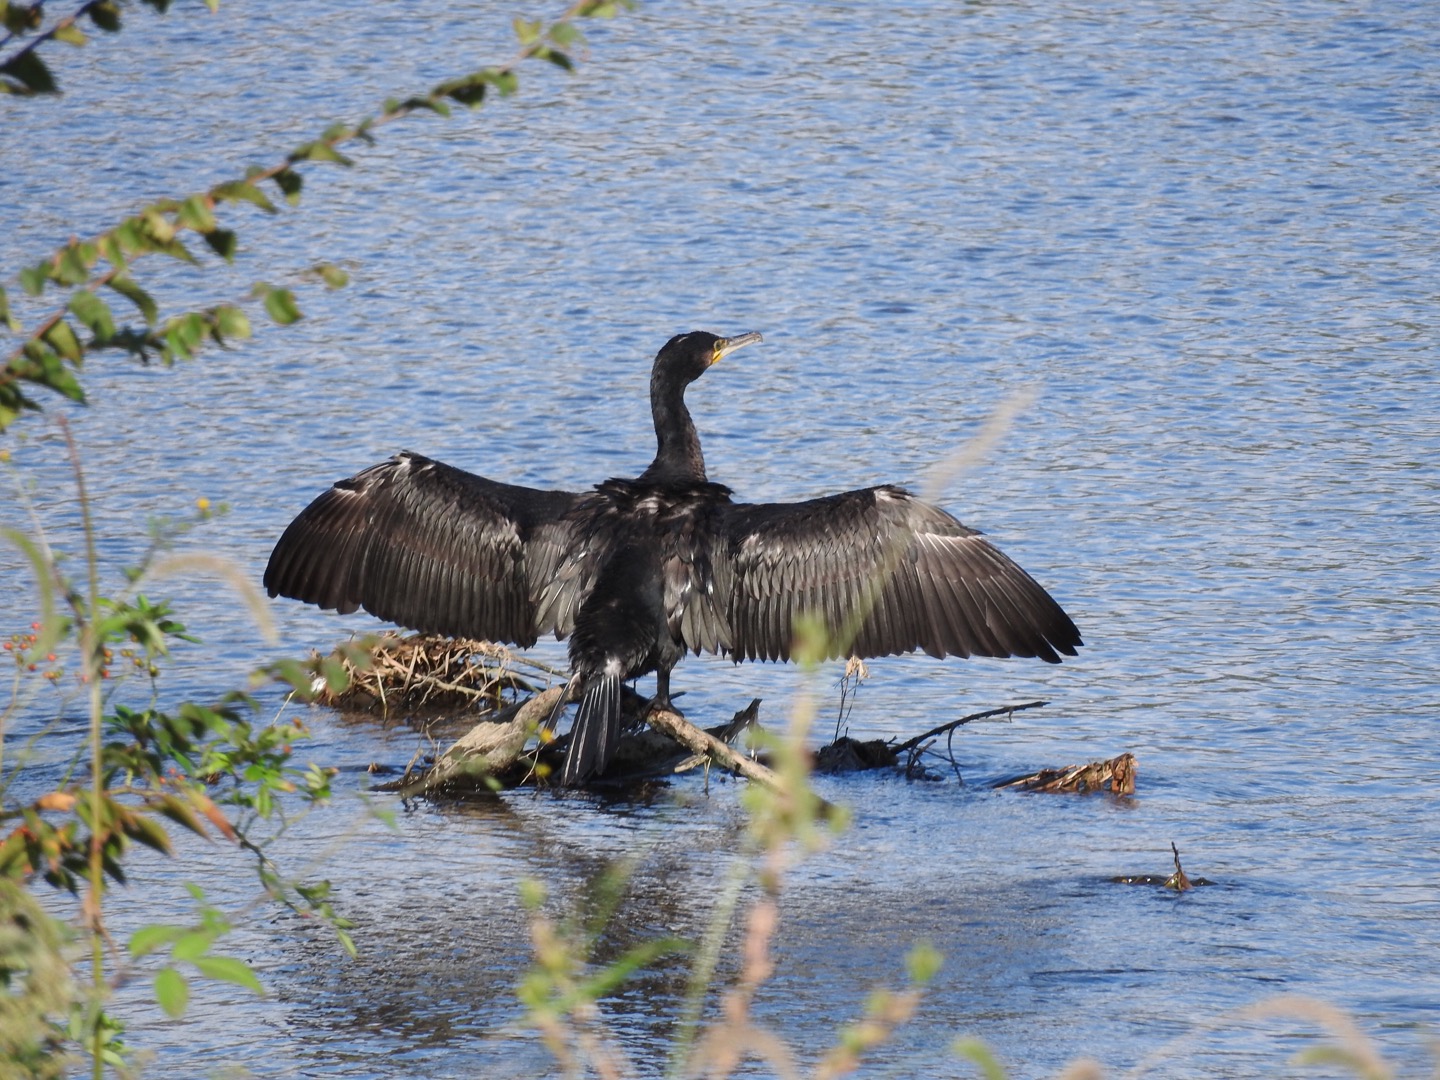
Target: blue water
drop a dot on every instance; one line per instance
(1201, 247)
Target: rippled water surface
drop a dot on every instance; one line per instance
(1203, 239)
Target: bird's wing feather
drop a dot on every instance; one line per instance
(428, 546)
(884, 573)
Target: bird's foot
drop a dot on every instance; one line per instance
(662, 703)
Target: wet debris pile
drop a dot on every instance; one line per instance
(513, 706)
(428, 677)
(1116, 776)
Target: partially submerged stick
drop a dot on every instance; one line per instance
(910, 744)
(705, 744)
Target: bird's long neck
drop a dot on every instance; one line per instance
(678, 458)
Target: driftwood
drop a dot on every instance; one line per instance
(487, 752)
(1116, 775)
(426, 678)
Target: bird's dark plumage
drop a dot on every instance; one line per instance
(638, 572)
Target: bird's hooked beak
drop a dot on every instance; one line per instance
(725, 346)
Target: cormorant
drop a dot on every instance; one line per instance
(638, 572)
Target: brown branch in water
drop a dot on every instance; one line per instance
(1178, 881)
(700, 742)
(910, 744)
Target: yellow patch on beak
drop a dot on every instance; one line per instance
(725, 346)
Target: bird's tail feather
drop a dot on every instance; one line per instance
(596, 731)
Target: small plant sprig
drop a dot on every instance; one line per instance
(787, 822)
(52, 353)
(209, 769)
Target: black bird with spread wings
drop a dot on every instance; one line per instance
(636, 573)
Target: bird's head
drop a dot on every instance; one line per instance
(687, 356)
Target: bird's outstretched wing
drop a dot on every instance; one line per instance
(428, 546)
(884, 573)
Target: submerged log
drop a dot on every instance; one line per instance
(851, 755)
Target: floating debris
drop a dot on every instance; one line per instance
(1116, 776)
(1178, 882)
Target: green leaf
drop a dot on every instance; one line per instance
(71, 35)
(471, 95)
(228, 969)
(106, 16)
(280, 306)
(130, 236)
(52, 628)
(195, 212)
(149, 938)
(319, 150)
(61, 337)
(295, 675)
(193, 944)
(33, 278)
(180, 812)
(157, 226)
(979, 1055)
(172, 991)
(30, 74)
(175, 249)
(149, 832)
(74, 263)
(126, 287)
(337, 678)
(19, 19)
(94, 313)
(923, 963)
(183, 335)
(564, 33)
(507, 82)
(415, 104)
(243, 191)
(6, 317)
(332, 275)
(222, 242)
(289, 182)
(231, 323)
(112, 249)
(50, 370)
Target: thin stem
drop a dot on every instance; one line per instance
(89, 660)
(706, 960)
